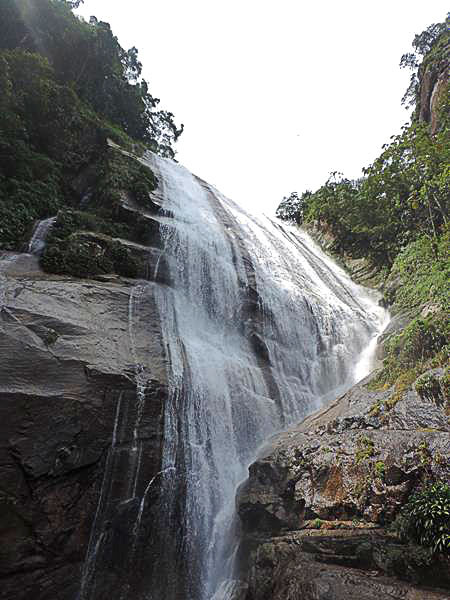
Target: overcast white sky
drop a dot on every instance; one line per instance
(274, 94)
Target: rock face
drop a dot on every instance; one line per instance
(118, 396)
(68, 356)
(433, 85)
(319, 567)
(344, 471)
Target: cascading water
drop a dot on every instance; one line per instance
(37, 242)
(35, 246)
(260, 326)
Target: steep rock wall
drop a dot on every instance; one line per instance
(433, 86)
(66, 362)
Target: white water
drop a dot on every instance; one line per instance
(240, 370)
(98, 533)
(37, 242)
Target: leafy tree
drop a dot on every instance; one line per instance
(404, 193)
(88, 58)
(65, 87)
(292, 207)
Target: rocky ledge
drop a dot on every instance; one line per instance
(318, 503)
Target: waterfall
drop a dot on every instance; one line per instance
(37, 242)
(261, 328)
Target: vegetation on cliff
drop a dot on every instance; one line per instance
(425, 518)
(66, 86)
(404, 193)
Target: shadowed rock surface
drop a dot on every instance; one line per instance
(66, 361)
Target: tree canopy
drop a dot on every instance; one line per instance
(87, 58)
(404, 193)
(65, 87)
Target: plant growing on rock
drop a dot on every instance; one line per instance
(425, 518)
(428, 386)
(380, 469)
(366, 449)
(317, 523)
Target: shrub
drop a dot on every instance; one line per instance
(81, 244)
(425, 519)
(422, 345)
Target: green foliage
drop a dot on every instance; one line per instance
(425, 519)
(47, 138)
(117, 173)
(404, 195)
(88, 59)
(292, 207)
(380, 469)
(55, 118)
(317, 523)
(81, 244)
(366, 449)
(422, 339)
(78, 257)
(422, 275)
(22, 202)
(422, 345)
(396, 217)
(423, 270)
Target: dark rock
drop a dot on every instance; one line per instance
(288, 569)
(67, 364)
(433, 81)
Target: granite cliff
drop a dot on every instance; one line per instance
(66, 363)
(121, 396)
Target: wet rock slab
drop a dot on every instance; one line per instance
(67, 358)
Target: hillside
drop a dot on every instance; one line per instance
(155, 339)
(66, 87)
